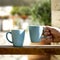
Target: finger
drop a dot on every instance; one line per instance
(46, 41)
(47, 33)
(53, 31)
(46, 29)
(49, 37)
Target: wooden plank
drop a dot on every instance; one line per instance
(30, 50)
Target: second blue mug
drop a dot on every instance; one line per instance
(35, 33)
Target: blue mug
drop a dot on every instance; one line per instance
(17, 37)
(35, 33)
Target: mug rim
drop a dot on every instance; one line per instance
(18, 30)
(36, 26)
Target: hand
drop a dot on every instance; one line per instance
(55, 33)
(47, 37)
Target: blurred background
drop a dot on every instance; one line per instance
(30, 12)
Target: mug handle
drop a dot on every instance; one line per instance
(7, 37)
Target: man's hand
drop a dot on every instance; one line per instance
(47, 36)
(55, 33)
(50, 35)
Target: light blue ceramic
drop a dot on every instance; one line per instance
(17, 37)
(35, 33)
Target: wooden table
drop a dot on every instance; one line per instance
(43, 49)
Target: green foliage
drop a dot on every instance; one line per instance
(21, 10)
(15, 10)
(42, 12)
(24, 11)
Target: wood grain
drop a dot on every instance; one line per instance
(30, 50)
